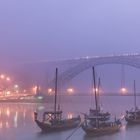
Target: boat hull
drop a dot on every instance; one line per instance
(63, 125)
(132, 121)
(101, 131)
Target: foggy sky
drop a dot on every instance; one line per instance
(33, 30)
(36, 30)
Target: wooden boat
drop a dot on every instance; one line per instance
(133, 116)
(52, 120)
(99, 123)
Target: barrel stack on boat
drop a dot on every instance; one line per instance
(98, 123)
(133, 115)
(52, 120)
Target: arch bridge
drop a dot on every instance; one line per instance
(82, 64)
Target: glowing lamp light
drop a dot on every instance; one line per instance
(34, 89)
(123, 90)
(8, 112)
(50, 91)
(97, 90)
(2, 76)
(16, 86)
(70, 90)
(8, 79)
(8, 92)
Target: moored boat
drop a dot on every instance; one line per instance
(133, 115)
(51, 124)
(98, 123)
(101, 128)
(53, 120)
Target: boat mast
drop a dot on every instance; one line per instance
(99, 84)
(55, 101)
(94, 80)
(96, 102)
(135, 95)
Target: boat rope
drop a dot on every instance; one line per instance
(74, 131)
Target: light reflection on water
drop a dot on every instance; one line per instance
(17, 120)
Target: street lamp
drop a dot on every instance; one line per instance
(8, 79)
(70, 90)
(123, 90)
(34, 89)
(50, 91)
(2, 76)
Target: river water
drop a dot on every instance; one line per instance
(17, 119)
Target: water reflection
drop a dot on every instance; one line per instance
(17, 120)
(13, 115)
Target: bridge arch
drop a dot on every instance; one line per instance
(72, 72)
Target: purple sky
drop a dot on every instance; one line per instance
(34, 30)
